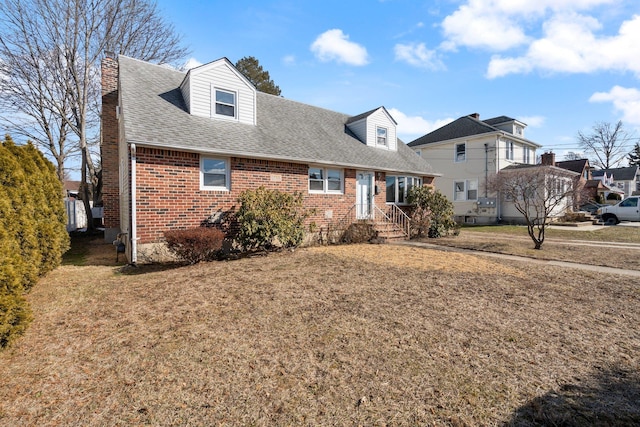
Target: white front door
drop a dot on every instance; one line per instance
(364, 195)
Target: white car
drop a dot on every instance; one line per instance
(626, 210)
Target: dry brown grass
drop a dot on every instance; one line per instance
(586, 247)
(346, 335)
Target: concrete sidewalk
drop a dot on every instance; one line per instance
(565, 264)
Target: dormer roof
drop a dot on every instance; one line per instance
(468, 126)
(370, 112)
(154, 113)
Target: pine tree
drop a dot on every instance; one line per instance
(634, 155)
(253, 71)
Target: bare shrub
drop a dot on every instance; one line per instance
(195, 245)
(359, 232)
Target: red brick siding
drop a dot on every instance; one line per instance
(109, 144)
(168, 194)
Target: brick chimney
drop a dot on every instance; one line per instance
(548, 159)
(109, 147)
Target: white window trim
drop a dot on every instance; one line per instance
(325, 181)
(455, 152)
(386, 137)
(226, 170)
(465, 182)
(406, 188)
(509, 150)
(526, 155)
(214, 89)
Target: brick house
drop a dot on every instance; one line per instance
(178, 149)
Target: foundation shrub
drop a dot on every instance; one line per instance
(195, 245)
(432, 213)
(359, 232)
(270, 219)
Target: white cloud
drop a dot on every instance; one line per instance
(191, 63)
(289, 60)
(626, 100)
(334, 45)
(570, 45)
(498, 25)
(418, 55)
(477, 26)
(412, 127)
(533, 121)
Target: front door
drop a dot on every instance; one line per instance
(364, 195)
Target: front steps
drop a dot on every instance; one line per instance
(388, 231)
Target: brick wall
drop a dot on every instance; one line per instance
(168, 194)
(109, 144)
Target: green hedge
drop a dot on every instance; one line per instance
(33, 236)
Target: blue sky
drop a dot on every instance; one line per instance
(558, 65)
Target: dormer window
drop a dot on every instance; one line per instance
(225, 103)
(381, 134)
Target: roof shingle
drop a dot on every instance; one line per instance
(155, 114)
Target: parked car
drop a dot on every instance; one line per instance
(591, 207)
(626, 210)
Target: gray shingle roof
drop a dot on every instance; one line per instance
(498, 120)
(154, 114)
(464, 127)
(619, 174)
(573, 165)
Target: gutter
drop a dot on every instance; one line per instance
(134, 223)
(302, 160)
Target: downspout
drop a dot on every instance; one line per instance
(498, 195)
(134, 236)
(486, 168)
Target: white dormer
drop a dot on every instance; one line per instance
(219, 91)
(512, 126)
(375, 128)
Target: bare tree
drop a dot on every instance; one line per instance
(537, 192)
(571, 155)
(50, 53)
(608, 143)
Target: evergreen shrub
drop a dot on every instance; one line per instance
(270, 219)
(33, 233)
(431, 214)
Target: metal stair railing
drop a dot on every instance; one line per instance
(396, 216)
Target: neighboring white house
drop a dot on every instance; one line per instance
(467, 152)
(625, 180)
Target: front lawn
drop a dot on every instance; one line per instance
(343, 335)
(602, 234)
(571, 245)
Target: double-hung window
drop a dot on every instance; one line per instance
(398, 188)
(214, 174)
(465, 190)
(461, 152)
(381, 136)
(324, 180)
(225, 103)
(509, 150)
(526, 157)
